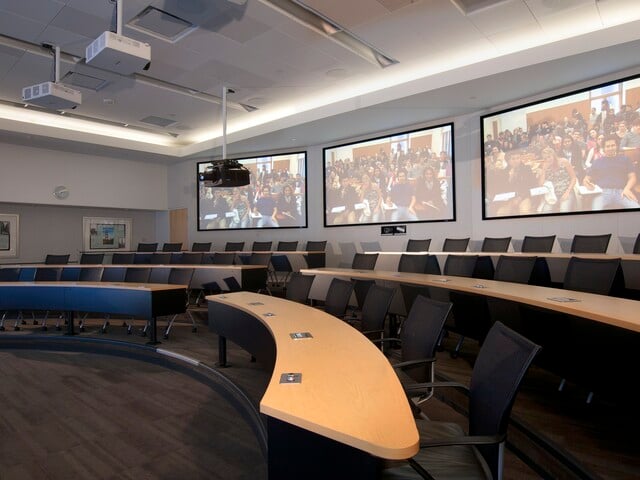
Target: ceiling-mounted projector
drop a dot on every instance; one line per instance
(225, 173)
(118, 53)
(55, 96)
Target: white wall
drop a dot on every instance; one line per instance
(29, 175)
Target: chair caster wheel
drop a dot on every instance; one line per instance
(194, 329)
(44, 328)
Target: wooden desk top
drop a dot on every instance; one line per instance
(606, 256)
(148, 287)
(619, 312)
(348, 393)
(137, 265)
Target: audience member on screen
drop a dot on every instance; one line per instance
(614, 174)
(266, 207)
(240, 207)
(429, 202)
(518, 179)
(401, 199)
(558, 176)
(632, 138)
(371, 197)
(287, 215)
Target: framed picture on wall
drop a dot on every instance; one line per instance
(400, 178)
(276, 196)
(9, 234)
(101, 234)
(574, 153)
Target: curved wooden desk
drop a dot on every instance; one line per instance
(618, 312)
(143, 300)
(349, 409)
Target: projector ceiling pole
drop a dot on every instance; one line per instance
(118, 17)
(56, 64)
(224, 123)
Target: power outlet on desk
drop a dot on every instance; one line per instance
(393, 230)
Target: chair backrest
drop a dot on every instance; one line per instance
(113, 274)
(92, 274)
(514, 269)
(69, 274)
(361, 289)
(538, 244)
(232, 284)
(147, 247)
(201, 247)
(234, 246)
(261, 246)
(460, 265)
(160, 258)
(590, 243)
(490, 244)
(364, 261)
(91, 258)
(144, 258)
(298, 287)
(455, 244)
(47, 274)
(315, 260)
(56, 259)
(191, 258)
(418, 245)
(180, 276)
(259, 259)
(220, 258)
(497, 373)
(137, 275)
(337, 297)
(316, 246)
(370, 246)
(172, 247)
(413, 263)
(123, 258)
(636, 246)
(9, 274)
(421, 331)
(288, 246)
(375, 308)
(592, 275)
(281, 263)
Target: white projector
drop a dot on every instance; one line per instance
(55, 96)
(117, 53)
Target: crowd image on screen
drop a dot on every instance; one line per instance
(275, 197)
(396, 183)
(581, 161)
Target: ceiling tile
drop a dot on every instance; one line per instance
(585, 16)
(35, 10)
(243, 31)
(614, 12)
(508, 16)
(69, 42)
(20, 27)
(392, 5)
(348, 14)
(81, 23)
(541, 8)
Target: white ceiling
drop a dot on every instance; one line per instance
(450, 63)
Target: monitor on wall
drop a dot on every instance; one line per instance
(275, 197)
(570, 154)
(400, 178)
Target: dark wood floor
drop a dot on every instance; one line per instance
(68, 415)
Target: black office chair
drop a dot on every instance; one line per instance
(282, 269)
(298, 287)
(370, 246)
(538, 244)
(418, 245)
(259, 259)
(145, 258)
(123, 258)
(180, 276)
(315, 260)
(490, 244)
(636, 246)
(161, 258)
(9, 275)
(261, 247)
(56, 259)
(220, 258)
(147, 247)
(113, 274)
(418, 341)
(374, 311)
(48, 275)
(413, 263)
(201, 247)
(131, 275)
(364, 261)
(191, 258)
(172, 247)
(455, 244)
(590, 243)
(91, 258)
(337, 298)
(446, 451)
(316, 246)
(234, 246)
(288, 246)
(89, 274)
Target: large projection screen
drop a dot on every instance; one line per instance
(571, 154)
(276, 196)
(401, 178)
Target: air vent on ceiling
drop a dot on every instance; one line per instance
(158, 121)
(84, 81)
(467, 7)
(161, 24)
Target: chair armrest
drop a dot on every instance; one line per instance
(412, 363)
(386, 340)
(419, 387)
(371, 332)
(464, 440)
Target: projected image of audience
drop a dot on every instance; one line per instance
(406, 177)
(275, 197)
(578, 153)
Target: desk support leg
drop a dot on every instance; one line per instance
(222, 352)
(70, 329)
(154, 333)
